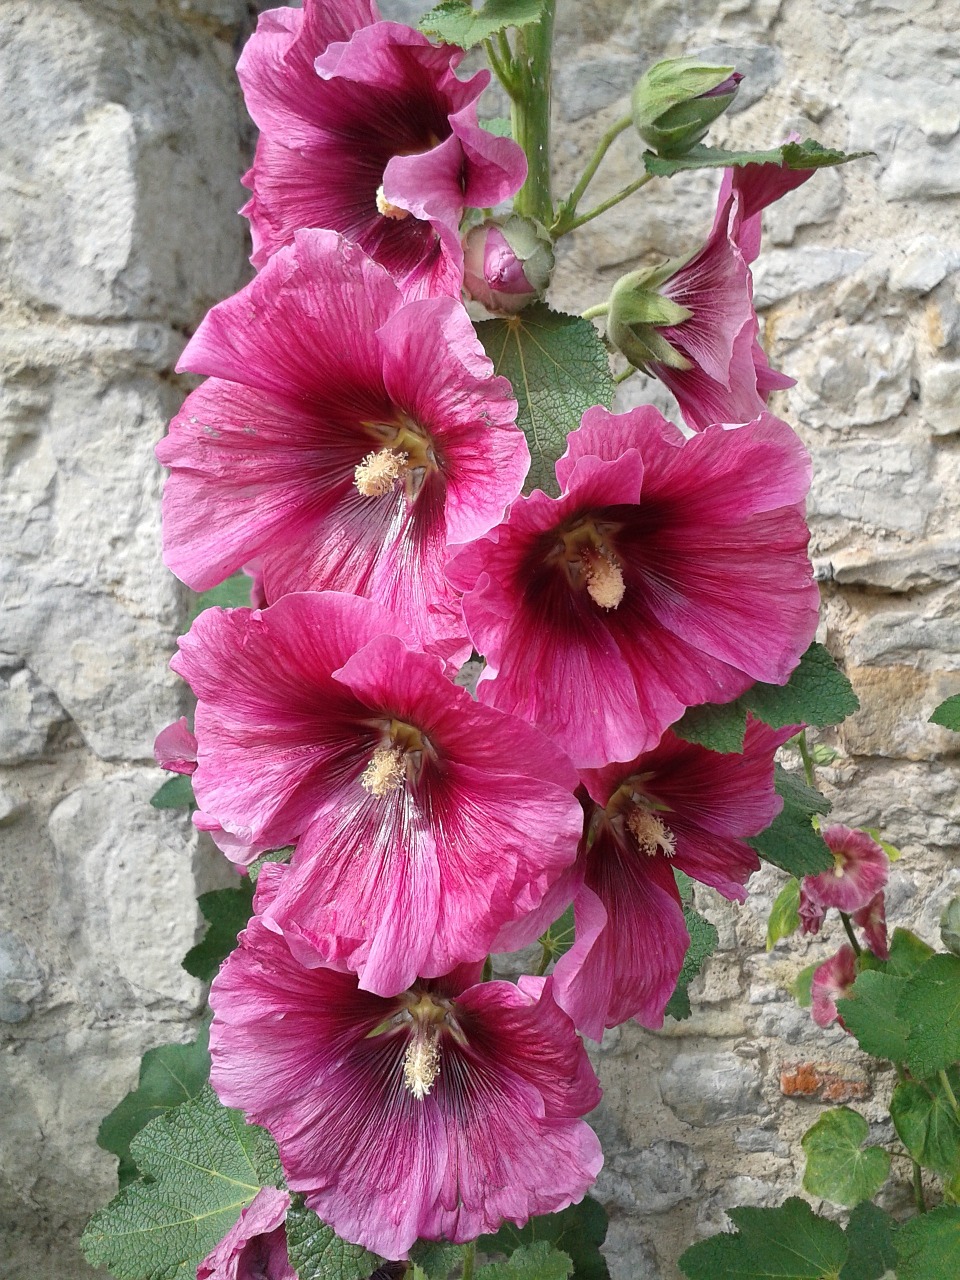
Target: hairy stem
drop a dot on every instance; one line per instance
(545, 958)
(569, 207)
(919, 1197)
(951, 1096)
(530, 113)
(600, 309)
(603, 206)
(469, 1256)
(807, 758)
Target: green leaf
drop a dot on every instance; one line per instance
(928, 1246)
(908, 953)
(272, 855)
(789, 1243)
(226, 912)
(202, 1165)
(817, 693)
(791, 842)
(169, 1075)
(317, 1253)
(456, 22)
(870, 1241)
(930, 1005)
(561, 935)
(784, 914)
(436, 1260)
(558, 366)
(499, 126)
(176, 793)
(839, 1168)
(891, 850)
(869, 1014)
(703, 943)
(232, 594)
(926, 1122)
(802, 984)
(792, 155)
(578, 1231)
(948, 713)
(530, 1262)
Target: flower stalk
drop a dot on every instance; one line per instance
(531, 73)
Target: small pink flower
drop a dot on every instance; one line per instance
(872, 919)
(423, 820)
(859, 872)
(832, 981)
(366, 129)
(343, 440)
(677, 806)
(439, 1113)
(506, 266)
(255, 1247)
(176, 748)
(668, 573)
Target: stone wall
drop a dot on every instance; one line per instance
(122, 139)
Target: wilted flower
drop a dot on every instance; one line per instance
(506, 266)
(872, 919)
(438, 1113)
(648, 586)
(366, 129)
(860, 870)
(676, 101)
(344, 439)
(423, 820)
(832, 981)
(255, 1247)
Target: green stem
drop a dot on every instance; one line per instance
(469, 1255)
(545, 958)
(569, 207)
(502, 68)
(850, 934)
(807, 758)
(951, 1096)
(600, 309)
(622, 377)
(530, 114)
(918, 1195)
(602, 207)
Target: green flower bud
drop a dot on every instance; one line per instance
(507, 265)
(635, 311)
(950, 926)
(676, 102)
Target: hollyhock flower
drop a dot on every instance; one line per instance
(366, 129)
(438, 1113)
(872, 920)
(506, 267)
(423, 820)
(344, 438)
(668, 573)
(255, 1247)
(677, 806)
(675, 102)
(860, 870)
(832, 981)
(699, 333)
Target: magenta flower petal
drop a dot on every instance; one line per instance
(344, 439)
(438, 1113)
(860, 870)
(832, 981)
(176, 748)
(255, 1247)
(872, 919)
(648, 586)
(424, 821)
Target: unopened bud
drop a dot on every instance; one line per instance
(506, 266)
(677, 100)
(950, 926)
(635, 314)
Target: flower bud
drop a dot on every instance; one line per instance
(676, 102)
(506, 266)
(635, 311)
(950, 926)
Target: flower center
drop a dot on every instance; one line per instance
(389, 210)
(421, 1061)
(398, 757)
(839, 865)
(604, 579)
(385, 772)
(651, 835)
(586, 554)
(406, 452)
(375, 475)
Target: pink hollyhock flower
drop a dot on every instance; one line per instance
(860, 871)
(718, 370)
(344, 438)
(678, 805)
(668, 573)
(438, 1113)
(255, 1247)
(423, 820)
(366, 129)
(872, 919)
(831, 982)
(506, 266)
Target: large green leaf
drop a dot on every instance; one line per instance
(791, 842)
(817, 693)
(226, 912)
(792, 155)
(928, 1246)
(434, 1259)
(948, 713)
(928, 1126)
(578, 1231)
(789, 1243)
(870, 1014)
(457, 22)
(530, 1262)
(232, 594)
(176, 793)
(784, 914)
(908, 953)
(169, 1076)
(201, 1165)
(870, 1241)
(839, 1168)
(318, 1253)
(930, 1005)
(559, 368)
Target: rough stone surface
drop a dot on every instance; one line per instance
(122, 141)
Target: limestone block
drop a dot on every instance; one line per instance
(706, 1088)
(926, 260)
(588, 84)
(761, 66)
(654, 1179)
(876, 486)
(816, 203)
(629, 1256)
(782, 273)
(896, 702)
(28, 712)
(896, 567)
(940, 398)
(21, 978)
(742, 1190)
(853, 376)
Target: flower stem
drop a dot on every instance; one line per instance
(807, 758)
(951, 1096)
(918, 1195)
(857, 949)
(569, 207)
(545, 957)
(501, 67)
(600, 309)
(469, 1255)
(602, 207)
(530, 113)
